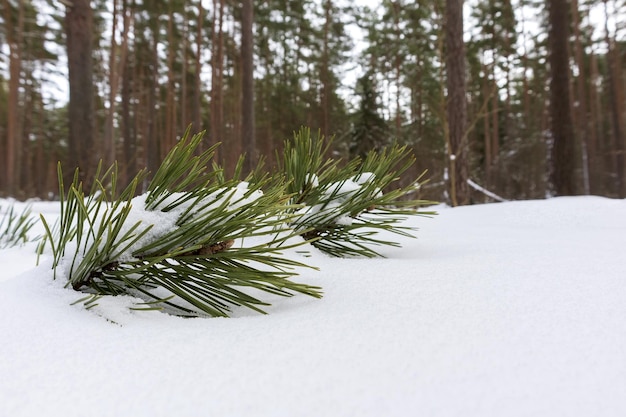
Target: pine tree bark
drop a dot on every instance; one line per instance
(563, 148)
(79, 33)
(398, 67)
(171, 111)
(581, 99)
(247, 85)
(217, 68)
(325, 72)
(128, 133)
(495, 117)
(13, 155)
(197, 102)
(456, 103)
(109, 141)
(151, 142)
(185, 70)
(487, 129)
(614, 93)
(594, 125)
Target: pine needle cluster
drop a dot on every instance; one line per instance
(348, 206)
(193, 244)
(197, 243)
(14, 226)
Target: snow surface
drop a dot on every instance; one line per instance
(510, 309)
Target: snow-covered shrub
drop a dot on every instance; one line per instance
(194, 243)
(345, 207)
(14, 226)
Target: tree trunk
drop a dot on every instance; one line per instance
(170, 107)
(495, 117)
(151, 141)
(217, 68)
(109, 141)
(614, 91)
(456, 103)
(325, 72)
(233, 148)
(128, 133)
(14, 137)
(487, 129)
(563, 151)
(247, 85)
(594, 131)
(398, 67)
(183, 81)
(197, 103)
(79, 29)
(581, 114)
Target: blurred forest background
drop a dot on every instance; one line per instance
(250, 73)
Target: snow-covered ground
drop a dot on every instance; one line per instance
(511, 309)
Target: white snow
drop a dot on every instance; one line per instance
(335, 196)
(364, 178)
(509, 309)
(152, 225)
(312, 179)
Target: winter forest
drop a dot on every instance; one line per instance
(525, 98)
(150, 270)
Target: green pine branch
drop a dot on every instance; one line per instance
(346, 207)
(194, 243)
(197, 243)
(14, 226)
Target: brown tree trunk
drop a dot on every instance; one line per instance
(594, 124)
(233, 144)
(217, 68)
(563, 151)
(109, 141)
(247, 85)
(40, 161)
(398, 67)
(614, 81)
(13, 155)
(82, 153)
(526, 95)
(581, 113)
(183, 94)
(128, 133)
(324, 72)
(152, 145)
(495, 117)
(456, 103)
(197, 103)
(170, 107)
(487, 130)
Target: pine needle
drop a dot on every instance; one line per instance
(14, 226)
(347, 206)
(192, 267)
